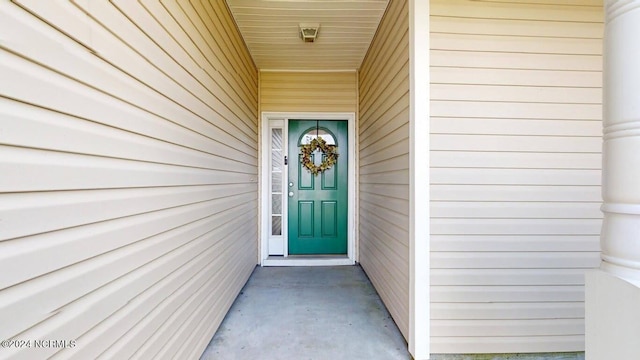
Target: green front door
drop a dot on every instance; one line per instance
(317, 203)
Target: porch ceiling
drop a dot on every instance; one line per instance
(270, 29)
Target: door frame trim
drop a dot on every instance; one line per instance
(324, 260)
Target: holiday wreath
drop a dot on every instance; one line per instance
(328, 150)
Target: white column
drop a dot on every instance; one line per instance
(620, 239)
(419, 231)
(613, 292)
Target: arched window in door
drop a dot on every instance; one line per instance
(312, 133)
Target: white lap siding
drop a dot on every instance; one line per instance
(299, 91)
(128, 175)
(515, 178)
(384, 163)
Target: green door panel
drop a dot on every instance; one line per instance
(305, 219)
(318, 205)
(329, 218)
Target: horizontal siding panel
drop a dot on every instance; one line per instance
(112, 298)
(521, 177)
(514, 260)
(521, 61)
(517, 11)
(514, 210)
(396, 277)
(104, 226)
(219, 300)
(392, 164)
(507, 344)
(202, 59)
(277, 96)
(373, 155)
(518, 160)
(509, 27)
(551, 144)
(87, 103)
(232, 47)
(390, 72)
(391, 177)
(396, 191)
(517, 44)
(316, 108)
(528, 94)
(308, 91)
(387, 30)
(511, 294)
(507, 277)
(391, 124)
(393, 94)
(32, 214)
(291, 86)
(70, 172)
(130, 142)
(303, 64)
(53, 251)
(133, 317)
(291, 50)
(506, 311)
(393, 73)
(596, 4)
(165, 343)
(216, 94)
(383, 174)
(101, 41)
(210, 17)
(515, 126)
(391, 227)
(506, 193)
(389, 203)
(292, 79)
(520, 327)
(213, 53)
(391, 291)
(515, 77)
(515, 110)
(515, 226)
(53, 291)
(49, 130)
(482, 243)
(515, 156)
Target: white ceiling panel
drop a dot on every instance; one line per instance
(270, 29)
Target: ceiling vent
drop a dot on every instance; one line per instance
(309, 32)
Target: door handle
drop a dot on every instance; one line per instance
(290, 193)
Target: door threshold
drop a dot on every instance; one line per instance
(308, 260)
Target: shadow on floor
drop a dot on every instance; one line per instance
(307, 313)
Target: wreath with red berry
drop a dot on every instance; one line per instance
(331, 156)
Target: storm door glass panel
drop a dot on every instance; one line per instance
(276, 181)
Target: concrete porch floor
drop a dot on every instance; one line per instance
(307, 313)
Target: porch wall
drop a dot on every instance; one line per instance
(384, 163)
(308, 91)
(128, 175)
(515, 179)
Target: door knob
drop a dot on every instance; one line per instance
(290, 193)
